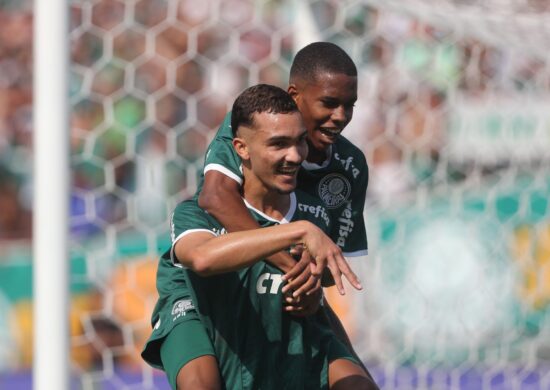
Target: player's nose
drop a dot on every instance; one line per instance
(339, 116)
(295, 155)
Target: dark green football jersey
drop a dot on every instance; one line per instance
(340, 183)
(257, 344)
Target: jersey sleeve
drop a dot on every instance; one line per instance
(221, 155)
(187, 218)
(349, 230)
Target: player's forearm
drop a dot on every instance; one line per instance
(221, 194)
(281, 260)
(233, 251)
(221, 200)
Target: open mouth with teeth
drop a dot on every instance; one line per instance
(291, 171)
(332, 133)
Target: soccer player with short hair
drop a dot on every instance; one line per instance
(234, 293)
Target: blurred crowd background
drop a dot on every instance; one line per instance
(452, 117)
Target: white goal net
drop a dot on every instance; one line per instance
(453, 116)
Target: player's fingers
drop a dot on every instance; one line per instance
(299, 288)
(315, 288)
(294, 307)
(301, 310)
(296, 283)
(297, 250)
(297, 311)
(318, 266)
(307, 286)
(297, 269)
(348, 273)
(289, 308)
(289, 300)
(337, 276)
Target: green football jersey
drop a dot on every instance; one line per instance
(340, 182)
(257, 344)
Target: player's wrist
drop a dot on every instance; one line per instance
(282, 260)
(306, 229)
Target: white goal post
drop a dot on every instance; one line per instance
(51, 189)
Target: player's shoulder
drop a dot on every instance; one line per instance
(220, 154)
(189, 207)
(224, 131)
(346, 160)
(189, 215)
(345, 148)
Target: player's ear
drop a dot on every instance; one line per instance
(240, 146)
(293, 92)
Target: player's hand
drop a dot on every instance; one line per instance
(305, 305)
(299, 279)
(326, 254)
(296, 251)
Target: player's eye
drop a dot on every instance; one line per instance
(278, 144)
(330, 103)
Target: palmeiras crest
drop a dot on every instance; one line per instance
(334, 190)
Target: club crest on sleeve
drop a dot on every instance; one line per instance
(181, 308)
(334, 190)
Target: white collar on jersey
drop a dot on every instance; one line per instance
(289, 214)
(309, 165)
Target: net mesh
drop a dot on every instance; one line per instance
(504, 24)
(452, 116)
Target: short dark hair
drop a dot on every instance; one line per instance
(257, 99)
(320, 57)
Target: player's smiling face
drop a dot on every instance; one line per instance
(326, 105)
(275, 149)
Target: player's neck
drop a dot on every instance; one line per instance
(268, 201)
(317, 156)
